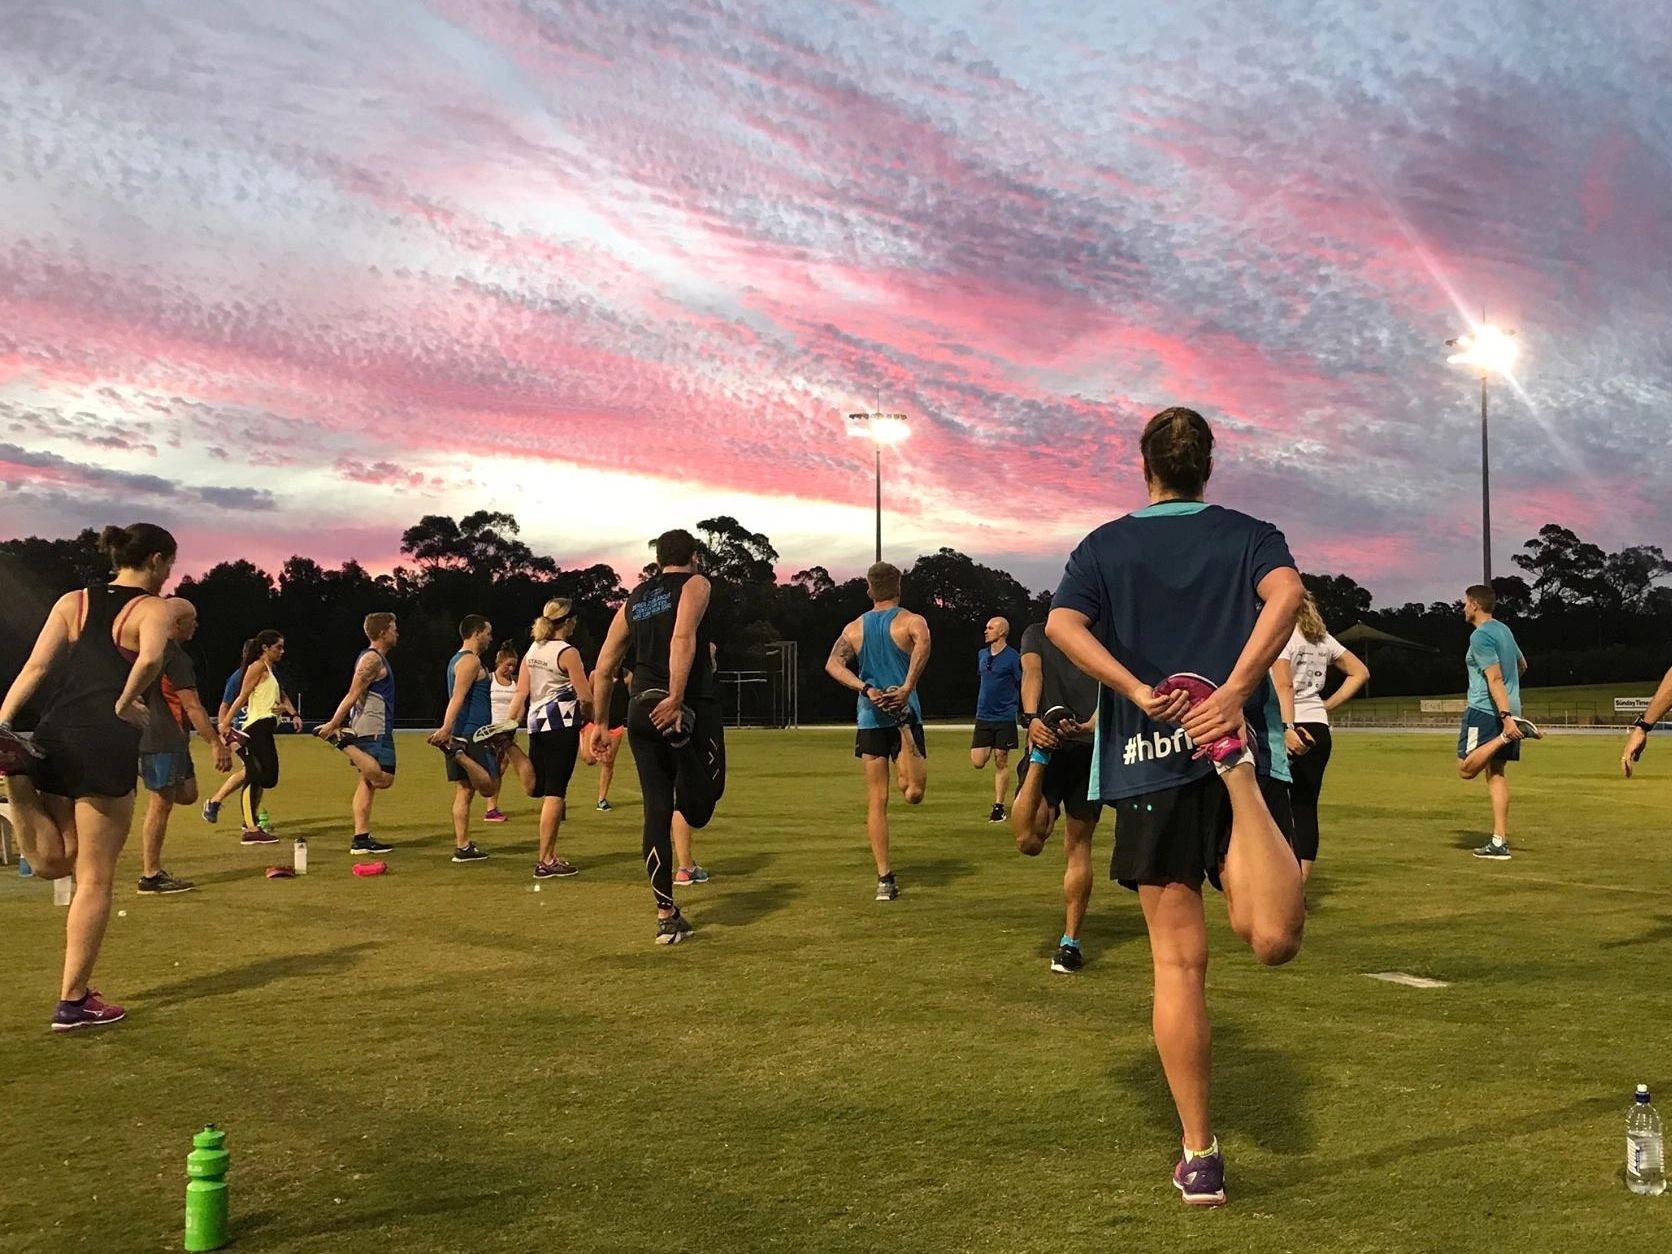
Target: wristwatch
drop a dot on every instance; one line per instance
(1643, 727)
(1288, 727)
(1028, 716)
(1503, 714)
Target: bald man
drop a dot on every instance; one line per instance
(165, 753)
(1000, 669)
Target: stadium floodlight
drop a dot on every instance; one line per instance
(1490, 350)
(881, 429)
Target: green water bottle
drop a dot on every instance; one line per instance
(208, 1215)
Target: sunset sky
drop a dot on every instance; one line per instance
(287, 276)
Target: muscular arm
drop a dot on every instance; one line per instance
(576, 670)
(609, 662)
(1033, 682)
(1494, 676)
(1221, 714)
(367, 671)
(840, 664)
(50, 645)
(918, 628)
(1070, 631)
(1358, 675)
(467, 672)
(254, 673)
(156, 625)
(198, 717)
(1283, 679)
(682, 651)
(519, 699)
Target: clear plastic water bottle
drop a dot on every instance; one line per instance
(63, 889)
(24, 870)
(1645, 1148)
(300, 857)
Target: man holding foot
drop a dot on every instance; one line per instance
(471, 768)
(1493, 729)
(165, 752)
(673, 721)
(881, 656)
(364, 727)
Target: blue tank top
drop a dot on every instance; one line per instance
(478, 703)
(882, 664)
(375, 715)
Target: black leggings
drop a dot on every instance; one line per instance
(261, 767)
(690, 780)
(1307, 771)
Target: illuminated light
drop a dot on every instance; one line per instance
(885, 429)
(1489, 349)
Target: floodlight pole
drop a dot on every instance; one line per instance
(1485, 492)
(878, 451)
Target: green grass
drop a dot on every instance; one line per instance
(443, 1060)
(1583, 704)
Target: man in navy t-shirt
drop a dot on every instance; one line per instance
(1000, 670)
(1179, 611)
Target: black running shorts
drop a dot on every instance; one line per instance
(1179, 835)
(1067, 779)
(100, 761)
(1000, 735)
(884, 742)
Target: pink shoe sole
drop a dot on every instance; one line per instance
(1199, 688)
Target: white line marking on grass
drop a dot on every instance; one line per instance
(1408, 980)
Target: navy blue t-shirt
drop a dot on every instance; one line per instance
(1001, 685)
(1172, 588)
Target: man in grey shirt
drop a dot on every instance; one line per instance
(165, 752)
(1056, 775)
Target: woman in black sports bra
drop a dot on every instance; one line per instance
(72, 787)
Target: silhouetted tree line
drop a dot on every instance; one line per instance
(1581, 614)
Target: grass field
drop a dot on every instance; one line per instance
(443, 1060)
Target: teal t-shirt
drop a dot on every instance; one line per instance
(1493, 644)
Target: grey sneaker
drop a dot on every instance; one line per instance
(161, 883)
(887, 888)
(678, 737)
(1068, 960)
(470, 853)
(1496, 850)
(1529, 729)
(672, 930)
(1201, 1180)
(493, 731)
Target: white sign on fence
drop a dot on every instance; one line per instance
(1453, 706)
(1630, 705)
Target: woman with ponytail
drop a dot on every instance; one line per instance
(260, 698)
(553, 692)
(1300, 673)
(72, 786)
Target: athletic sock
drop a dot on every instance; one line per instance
(1069, 941)
(1209, 1152)
(360, 836)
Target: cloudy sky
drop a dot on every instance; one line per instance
(288, 276)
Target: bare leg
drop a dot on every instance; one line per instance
(1305, 869)
(1481, 758)
(1261, 875)
(480, 779)
(1001, 775)
(1179, 950)
(158, 807)
(45, 829)
(463, 794)
(876, 811)
(606, 776)
(231, 784)
(912, 769)
(1031, 819)
(518, 762)
(1497, 785)
(103, 826)
(1076, 876)
(978, 757)
(551, 818)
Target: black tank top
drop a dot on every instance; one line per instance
(651, 611)
(97, 669)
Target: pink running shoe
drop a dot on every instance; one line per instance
(17, 755)
(495, 815)
(92, 1011)
(1199, 688)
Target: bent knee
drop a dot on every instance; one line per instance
(913, 794)
(1464, 771)
(1274, 948)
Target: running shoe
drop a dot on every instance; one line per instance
(455, 745)
(672, 930)
(1529, 729)
(470, 853)
(1068, 959)
(92, 1011)
(887, 888)
(161, 884)
(1056, 716)
(18, 756)
(342, 738)
(604, 806)
(211, 812)
(997, 815)
(556, 869)
(678, 737)
(257, 836)
(1495, 850)
(495, 815)
(1199, 688)
(687, 875)
(368, 844)
(1200, 1179)
(502, 731)
(235, 737)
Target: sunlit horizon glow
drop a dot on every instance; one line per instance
(287, 278)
